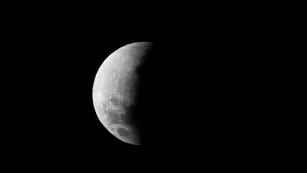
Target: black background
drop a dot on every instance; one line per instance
(205, 89)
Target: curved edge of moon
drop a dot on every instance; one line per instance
(128, 57)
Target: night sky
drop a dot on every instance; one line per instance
(204, 101)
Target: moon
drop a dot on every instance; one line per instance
(115, 89)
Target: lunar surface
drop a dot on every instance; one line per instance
(115, 90)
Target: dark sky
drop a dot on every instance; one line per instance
(204, 104)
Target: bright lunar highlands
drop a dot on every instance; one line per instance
(115, 90)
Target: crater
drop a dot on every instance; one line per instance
(115, 101)
(123, 132)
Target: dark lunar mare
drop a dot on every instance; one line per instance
(123, 118)
(112, 115)
(122, 132)
(115, 101)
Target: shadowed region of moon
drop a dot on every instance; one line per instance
(115, 91)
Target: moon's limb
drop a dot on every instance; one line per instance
(115, 88)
